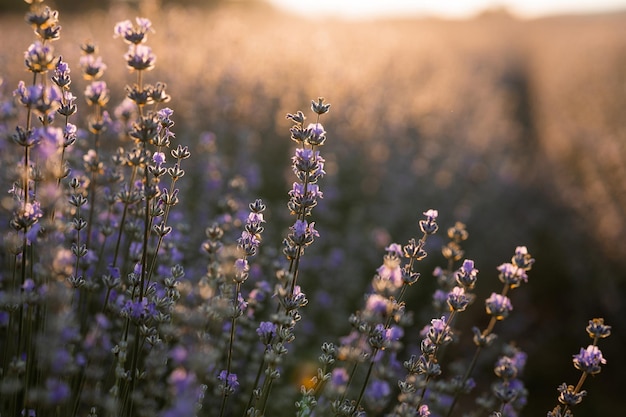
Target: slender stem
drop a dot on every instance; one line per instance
(256, 381)
(144, 255)
(350, 379)
(367, 377)
(267, 388)
(231, 342)
(160, 241)
(92, 194)
(123, 220)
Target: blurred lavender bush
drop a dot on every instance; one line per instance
(112, 304)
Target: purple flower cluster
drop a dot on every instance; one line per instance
(509, 390)
(589, 361)
(498, 306)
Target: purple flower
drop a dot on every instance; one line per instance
(241, 270)
(597, 329)
(249, 243)
(308, 162)
(266, 332)
(140, 58)
(241, 266)
(228, 382)
(97, 93)
(394, 333)
(29, 285)
(569, 396)
(316, 129)
(317, 135)
(181, 380)
(589, 360)
(165, 114)
(92, 66)
(439, 331)
(187, 393)
(379, 337)
(61, 75)
(44, 100)
(522, 258)
(431, 214)
(57, 391)
(519, 359)
(339, 377)
(178, 354)
(39, 57)
(28, 95)
(133, 34)
(498, 306)
(378, 390)
(457, 300)
(312, 191)
(440, 299)
(255, 218)
(242, 304)
(376, 303)
(50, 139)
(505, 368)
(31, 212)
(141, 311)
(423, 411)
(303, 232)
(429, 226)
(512, 275)
(158, 158)
(395, 249)
(391, 271)
(69, 134)
(466, 275)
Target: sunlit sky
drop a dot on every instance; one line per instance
(358, 9)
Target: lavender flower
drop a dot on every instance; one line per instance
(61, 75)
(569, 395)
(522, 258)
(92, 66)
(44, 100)
(498, 306)
(97, 93)
(228, 382)
(308, 165)
(266, 332)
(133, 34)
(39, 57)
(140, 58)
(589, 360)
(429, 226)
(512, 275)
(457, 299)
(597, 329)
(466, 275)
(439, 332)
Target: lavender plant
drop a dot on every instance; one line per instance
(99, 317)
(589, 361)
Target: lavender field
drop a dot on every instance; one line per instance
(515, 128)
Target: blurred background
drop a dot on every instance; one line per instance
(509, 120)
